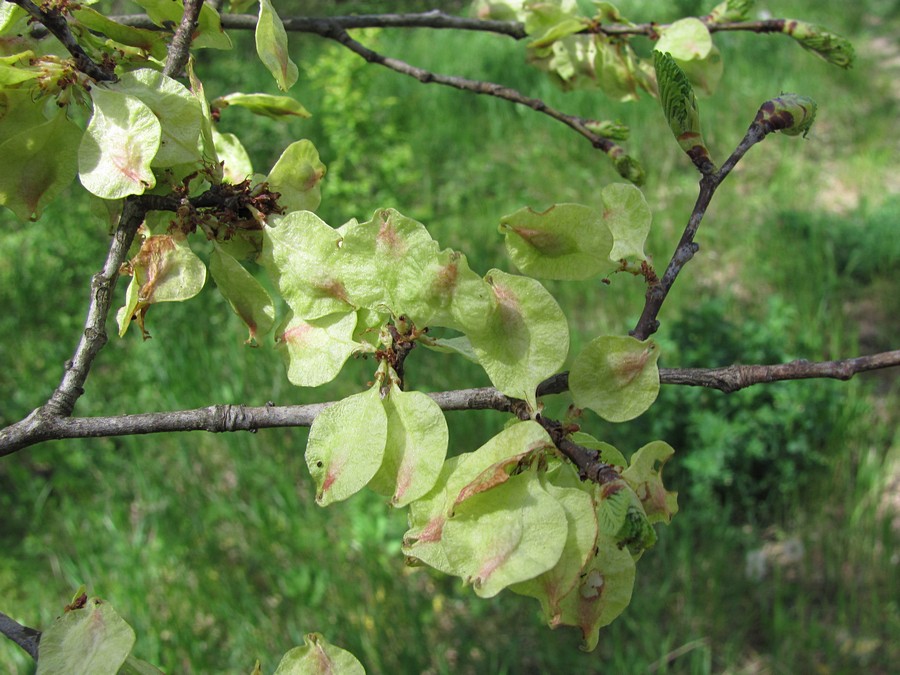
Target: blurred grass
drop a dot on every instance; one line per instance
(212, 546)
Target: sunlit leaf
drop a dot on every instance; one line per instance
(272, 46)
(267, 105)
(526, 339)
(505, 535)
(176, 108)
(118, 146)
(316, 350)
(685, 40)
(567, 241)
(416, 446)
(151, 41)
(231, 151)
(346, 445)
(296, 253)
(626, 214)
(296, 177)
(616, 377)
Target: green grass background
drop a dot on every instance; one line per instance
(212, 546)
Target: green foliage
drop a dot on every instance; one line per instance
(514, 513)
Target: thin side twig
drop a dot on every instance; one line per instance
(338, 34)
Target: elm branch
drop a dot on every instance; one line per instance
(230, 418)
(180, 47)
(27, 638)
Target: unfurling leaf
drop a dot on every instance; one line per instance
(346, 445)
(792, 114)
(526, 338)
(296, 177)
(89, 640)
(680, 107)
(318, 657)
(416, 446)
(44, 160)
(822, 42)
(267, 105)
(249, 300)
(731, 10)
(567, 241)
(316, 350)
(616, 377)
(644, 475)
(272, 46)
(118, 146)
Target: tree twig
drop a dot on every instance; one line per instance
(340, 35)
(55, 22)
(27, 638)
(657, 292)
(228, 418)
(180, 47)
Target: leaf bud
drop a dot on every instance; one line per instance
(830, 46)
(730, 10)
(791, 114)
(615, 131)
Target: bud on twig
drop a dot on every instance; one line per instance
(791, 114)
(830, 46)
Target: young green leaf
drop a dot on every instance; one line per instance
(731, 10)
(298, 252)
(680, 107)
(267, 105)
(314, 351)
(346, 445)
(118, 146)
(416, 447)
(272, 46)
(92, 640)
(318, 657)
(609, 454)
(567, 241)
(628, 218)
(176, 108)
(296, 177)
(526, 339)
(508, 534)
(45, 158)
(616, 377)
(249, 300)
(822, 42)
(455, 297)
